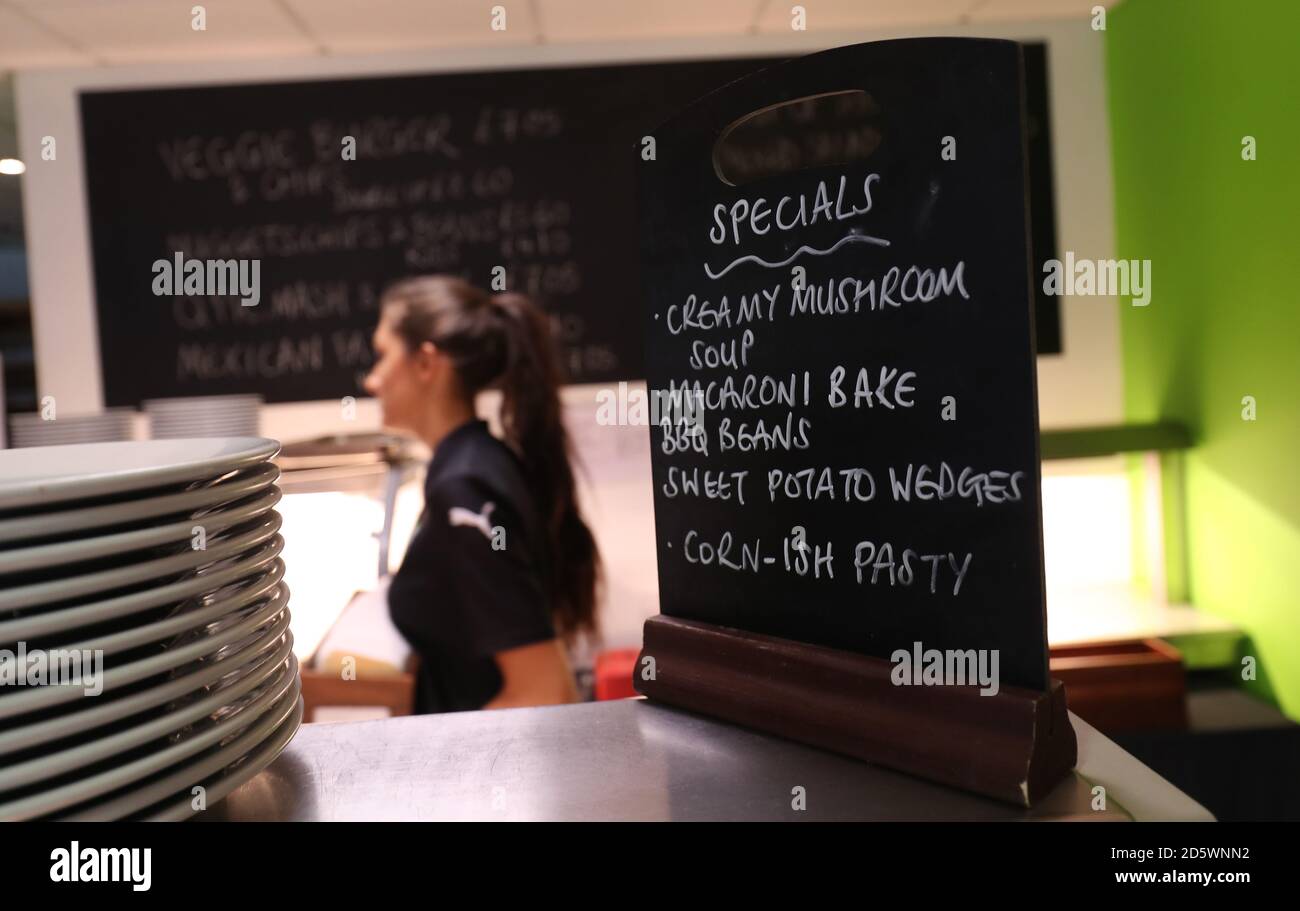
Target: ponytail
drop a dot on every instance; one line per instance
(504, 341)
(532, 420)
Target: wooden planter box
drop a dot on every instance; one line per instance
(322, 689)
(1124, 686)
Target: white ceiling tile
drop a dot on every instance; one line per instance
(138, 31)
(584, 20)
(83, 32)
(24, 43)
(32, 5)
(53, 4)
(359, 26)
(821, 15)
(1037, 9)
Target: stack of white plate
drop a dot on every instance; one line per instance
(152, 568)
(203, 416)
(34, 430)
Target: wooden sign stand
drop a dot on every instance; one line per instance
(1015, 745)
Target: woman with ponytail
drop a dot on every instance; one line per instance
(502, 571)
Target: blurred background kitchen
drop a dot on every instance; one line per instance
(1160, 130)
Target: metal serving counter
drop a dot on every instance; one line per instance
(635, 760)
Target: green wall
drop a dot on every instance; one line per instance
(1188, 79)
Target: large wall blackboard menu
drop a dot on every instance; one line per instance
(456, 172)
(460, 172)
(845, 317)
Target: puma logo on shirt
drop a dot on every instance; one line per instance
(457, 601)
(459, 515)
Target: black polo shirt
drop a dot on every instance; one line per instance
(475, 577)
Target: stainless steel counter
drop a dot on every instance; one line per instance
(635, 760)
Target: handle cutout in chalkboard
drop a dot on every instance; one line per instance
(816, 131)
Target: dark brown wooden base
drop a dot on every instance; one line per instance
(1014, 746)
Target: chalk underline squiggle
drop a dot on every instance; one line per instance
(846, 239)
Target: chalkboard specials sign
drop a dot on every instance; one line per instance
(840, 353)
(454, 172)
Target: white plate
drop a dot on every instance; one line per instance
(57, 474)
(114, 422)
(80, 550)
(192, 411)
(52, 430)
(44, 442)
(272, 706)
(197, 416)
(202, 581)
(277, 644)
(66, 428)
(204, 414)
(190, 401)
(205, 420)
(249, 730)
(52, 765)
(225, 603)
(32, 699)
(32, 425)
(224, 784)
(206, 429)
(203, 411)
(182, 420)
(58, 432)
(203, 432)
(108, 414)
(219, 548)
(38, 440)
(84, 518)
